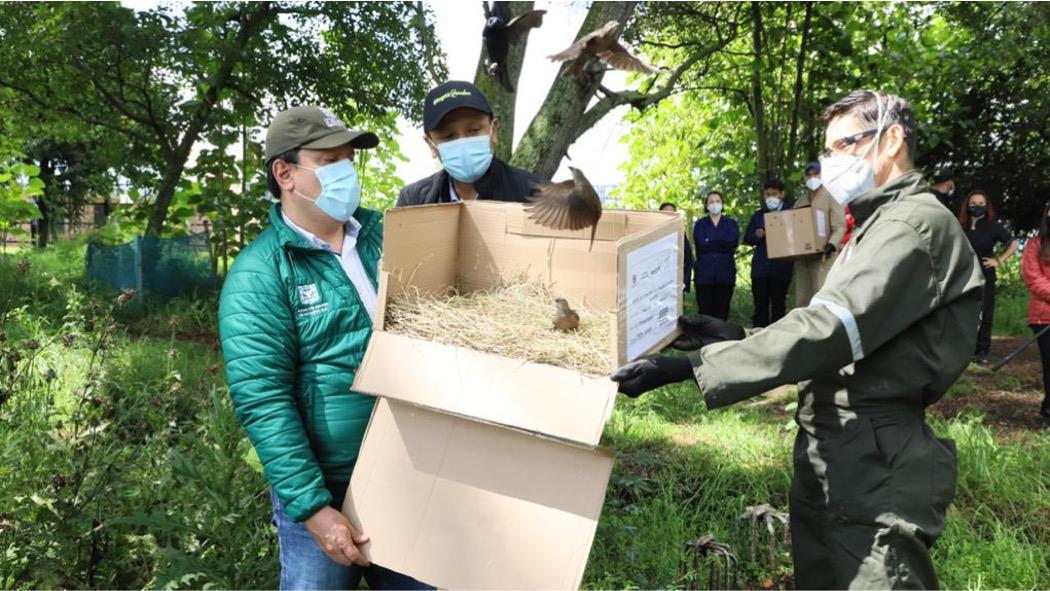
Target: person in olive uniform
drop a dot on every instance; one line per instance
(892, 328)
(983, 230)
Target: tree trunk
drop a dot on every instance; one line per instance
(799, 67)
(503, 102)
(43, 225)
(756, 91)
(561, 119)
(250, 22)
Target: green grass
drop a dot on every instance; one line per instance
(1011, 312)
(132, 472)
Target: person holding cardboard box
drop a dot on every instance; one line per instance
(460, 129)
(888, 334)
(716, 238)
(770, 279)
(295, 316)
(810, 272)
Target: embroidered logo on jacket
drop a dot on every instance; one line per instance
(308, 294)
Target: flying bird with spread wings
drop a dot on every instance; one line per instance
(568, 205)
(603, 46)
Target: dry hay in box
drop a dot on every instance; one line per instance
(512, 320)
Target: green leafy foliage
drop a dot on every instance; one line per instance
(168, 79)
(970, 71)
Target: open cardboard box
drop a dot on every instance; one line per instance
(482, 471)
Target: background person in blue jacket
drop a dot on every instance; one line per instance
(769, 279)
(716, 239)
(687, 279)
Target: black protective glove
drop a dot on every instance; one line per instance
(829, 248)
(651, 372)
(701, 330)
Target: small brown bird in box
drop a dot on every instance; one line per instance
(568, 205)
(565, 319)
(601, 44)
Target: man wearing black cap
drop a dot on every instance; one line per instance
(461, 130)
(943, 188)
(295, 317)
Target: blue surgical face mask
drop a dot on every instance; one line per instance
(466, 159)
(773, 203)
(340, 189)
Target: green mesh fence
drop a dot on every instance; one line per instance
(155, 267)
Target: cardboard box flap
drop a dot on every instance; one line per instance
(420, 246)
(465, 505)
(534, 397)
(489, 254)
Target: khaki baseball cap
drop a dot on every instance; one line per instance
(314, 128)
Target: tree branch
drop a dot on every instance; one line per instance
(425, 40)
(46, 105)
(644, 100)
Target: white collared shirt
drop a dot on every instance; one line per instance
(349, 259)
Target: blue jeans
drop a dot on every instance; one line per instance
(305, 566)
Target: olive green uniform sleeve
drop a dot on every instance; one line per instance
(258, 336)
(884, 284)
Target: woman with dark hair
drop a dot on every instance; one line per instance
(716, 239)
(982, 228)
(1035, 265)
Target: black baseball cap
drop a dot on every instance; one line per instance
(944, 174)
(814, 165)
(454, 94)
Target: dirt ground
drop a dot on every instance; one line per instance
(1009, 398)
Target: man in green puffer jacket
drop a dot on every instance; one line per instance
(295, 317)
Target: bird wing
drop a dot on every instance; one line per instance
(572, 52)
(575, 49)
(618, 57)
(520, 24)
(562, 207)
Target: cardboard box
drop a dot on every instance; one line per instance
(483, 471)
(795, 233)
(460, 503)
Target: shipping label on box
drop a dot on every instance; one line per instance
(653, 287)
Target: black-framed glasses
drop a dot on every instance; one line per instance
(841, 144)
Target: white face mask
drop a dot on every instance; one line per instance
(849, 176)
(715, 208)
(813, 183)
(773, 203)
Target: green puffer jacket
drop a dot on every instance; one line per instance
(293, 334)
